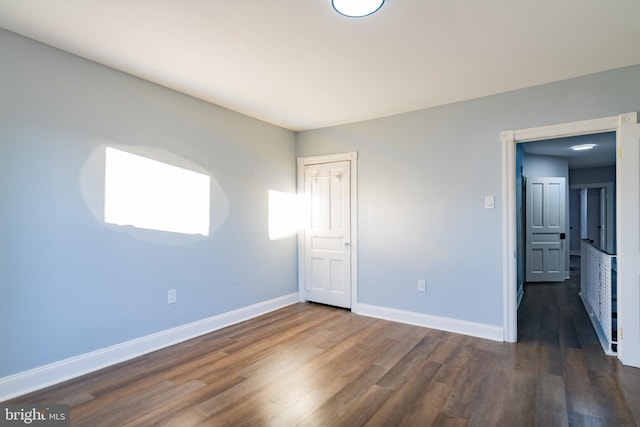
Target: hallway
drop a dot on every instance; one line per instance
(572, 369)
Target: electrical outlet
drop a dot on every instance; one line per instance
(422, 285)
(171, 296)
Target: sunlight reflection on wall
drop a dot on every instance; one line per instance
(211, 212)
(148, 194)
(285, 214)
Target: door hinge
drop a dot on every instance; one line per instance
(619, 152)
(621, 334)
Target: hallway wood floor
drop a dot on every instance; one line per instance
(311, 365)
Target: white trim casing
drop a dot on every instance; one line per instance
(509, 254)
(583, 127)
(53, 373)
(457, 326)
(352, 157)
(628, 234)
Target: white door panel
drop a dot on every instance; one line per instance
(545, 227)
(628, 201)
(327, 238)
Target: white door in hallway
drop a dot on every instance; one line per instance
(327, 276)
(545, 229)
(628, 207)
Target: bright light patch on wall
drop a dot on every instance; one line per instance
(148, 194)
(285, 215)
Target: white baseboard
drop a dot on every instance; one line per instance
(480, 330)
(44, 376)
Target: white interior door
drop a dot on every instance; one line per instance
(327, 275)
(545, 228)
(628, 208)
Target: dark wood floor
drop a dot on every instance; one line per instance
(311, 365)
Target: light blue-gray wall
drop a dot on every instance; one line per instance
(536, 165)
(70, 284)
(422, 180)
(592, 175)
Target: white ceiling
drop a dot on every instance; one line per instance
(300, 65)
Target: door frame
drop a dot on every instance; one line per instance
(352, 157)
(509, 139)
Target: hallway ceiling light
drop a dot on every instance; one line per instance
(583, 147)
(356, 8)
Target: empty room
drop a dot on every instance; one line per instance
(302, 213)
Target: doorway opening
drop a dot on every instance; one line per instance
(627, 132)
(566, 228)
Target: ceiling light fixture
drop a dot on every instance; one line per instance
(583, 147)
(356, 8)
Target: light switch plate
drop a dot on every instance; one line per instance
(489, 202)
(171, 296)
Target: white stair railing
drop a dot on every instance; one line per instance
(596, 292)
